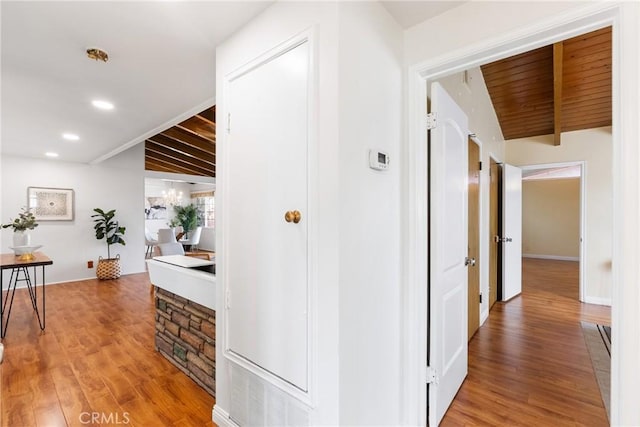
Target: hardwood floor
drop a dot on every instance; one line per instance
(529, 364)
(95, 359)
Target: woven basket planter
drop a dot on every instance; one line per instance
(108, 268)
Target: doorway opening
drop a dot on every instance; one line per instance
(419, 79)
(553, 225)
(494, 229)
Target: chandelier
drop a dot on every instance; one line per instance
(172, 197)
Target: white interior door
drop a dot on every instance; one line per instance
(267, 255)
(448, 250)
(511, 231)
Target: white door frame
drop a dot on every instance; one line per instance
(583, 212)
(625, 379)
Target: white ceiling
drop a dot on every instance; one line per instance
(410, 13)
(161, 68)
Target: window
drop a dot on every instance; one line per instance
(205, 202)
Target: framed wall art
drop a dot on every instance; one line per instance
(51, 204)
(155, 208)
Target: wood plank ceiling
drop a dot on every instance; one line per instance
(553, 89)
(186, 148)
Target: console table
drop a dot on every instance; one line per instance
(20, 273)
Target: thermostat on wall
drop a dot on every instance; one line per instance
(378, 160)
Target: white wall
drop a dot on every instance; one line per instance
(114, 184)
(551, 218)
(472, 96)
(593, 146)
(276, 25)
(358, 367)
(370, 109)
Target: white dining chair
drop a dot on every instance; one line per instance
(166, 235)
(193, 240)
(172, 248)
(150, 242)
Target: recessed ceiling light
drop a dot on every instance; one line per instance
(70, 136)
(51, 154)
(102, 105)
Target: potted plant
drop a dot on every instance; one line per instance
(25, 221)
(107, 228)
(187, 216)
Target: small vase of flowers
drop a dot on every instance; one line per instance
(25, 221)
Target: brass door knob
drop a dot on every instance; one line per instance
(293, 216)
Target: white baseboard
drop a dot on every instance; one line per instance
(554, 257)
(598, 301)
(79, 279)
(222, 417)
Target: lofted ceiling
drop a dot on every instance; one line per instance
(186, 148)
(553, 89)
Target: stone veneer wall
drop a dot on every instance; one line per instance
(186, 336)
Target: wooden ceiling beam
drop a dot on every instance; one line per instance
(190, 138)
(167, 162)
(557, 93)
(164, 166)
(151, 165)
(209, 114)
(150, 145)
(187, 168)
(171, 158)
(166, 141)
(553, 89)
(186, 148)
(160, 165)
(199, 126)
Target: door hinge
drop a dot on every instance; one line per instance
(227, 299)
(480, 298)
(228, 122)
(432, 121)
(479, 166)
(431, 376)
